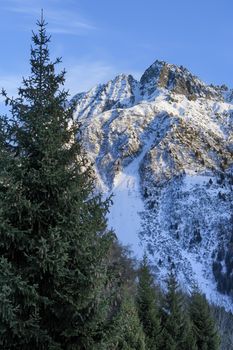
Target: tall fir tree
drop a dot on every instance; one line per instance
(204, 326)
(122, 328)
(53, 237)
(176, 328)
(190, 342)
(125, 332)
(147, 304)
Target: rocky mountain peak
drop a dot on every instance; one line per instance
(164, 147)
(177, 79)
(125, 92)
(121, 90)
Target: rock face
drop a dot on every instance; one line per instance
(120, 92)
(168, 139)
(176, 79)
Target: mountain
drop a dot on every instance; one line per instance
(164, 147)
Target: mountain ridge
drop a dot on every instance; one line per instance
(161, 75)
(164, 146)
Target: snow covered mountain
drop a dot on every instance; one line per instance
(164, 147)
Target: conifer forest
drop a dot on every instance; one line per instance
(67, 282)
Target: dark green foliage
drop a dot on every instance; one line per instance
(121, 267)
(190, 342)
(53, 240)
(203, 323)
(224, 277)
(224, 322)
(223, 264)
(176, 332)
(64, 283)
(173, 319)
(126, 332)
(122, 328)
(147, 304)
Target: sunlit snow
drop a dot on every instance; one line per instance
(179, 168)
(124, 215)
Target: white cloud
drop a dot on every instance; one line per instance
(83, 76)
(80, 77)
(60, 21)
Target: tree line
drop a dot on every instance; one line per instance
(65, 282)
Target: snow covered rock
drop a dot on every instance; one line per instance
(176, 79)
(164, 147)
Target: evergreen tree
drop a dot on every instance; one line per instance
(174, 321)
(147, 301)
(53, 238)
(190, 342)
(204, 325)
(126, 332)
(122, 328)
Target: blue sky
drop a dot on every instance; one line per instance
(101, 38)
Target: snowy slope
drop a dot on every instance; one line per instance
(125, 216)
(163, 146)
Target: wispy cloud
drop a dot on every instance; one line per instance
(81, 76)
(61, 21)
(84, 75)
